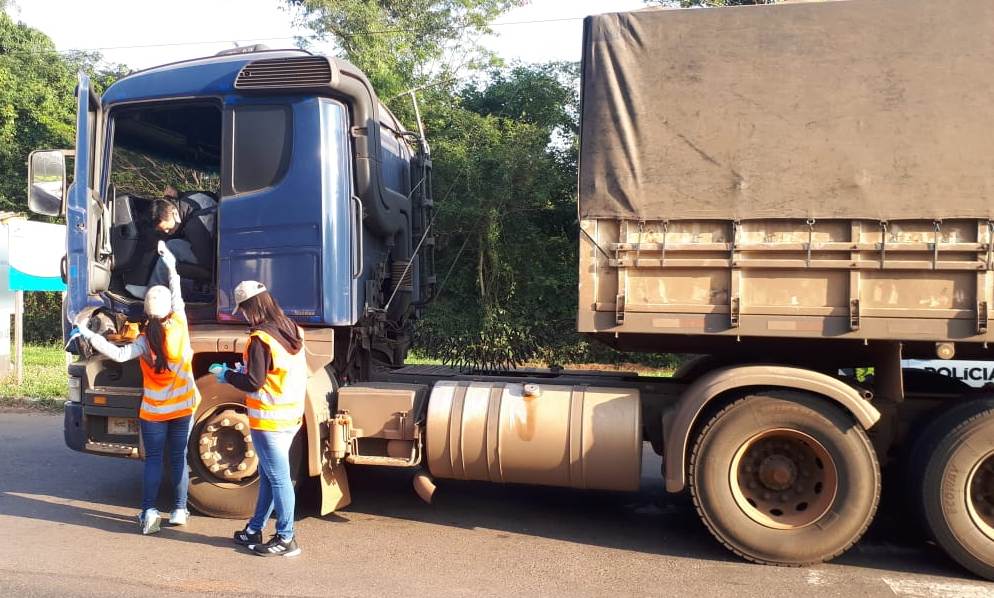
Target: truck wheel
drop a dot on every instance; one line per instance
(784, 478)
(957, 484)
(224, 479)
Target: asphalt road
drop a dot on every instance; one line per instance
(67, 529)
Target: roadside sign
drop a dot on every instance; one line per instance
(36, 252)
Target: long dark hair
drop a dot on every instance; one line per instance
(262, 309)
(155, 335)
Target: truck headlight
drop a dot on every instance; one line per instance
(75, 394)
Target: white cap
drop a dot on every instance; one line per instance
(245, 290)
(158, 302)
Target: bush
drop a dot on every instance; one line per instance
(42, 317)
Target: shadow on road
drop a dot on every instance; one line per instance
(41, 479)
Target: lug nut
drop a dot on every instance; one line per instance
(212, 428)
(215, 468)
(239, 426)
(205, 456)
(242, 466)
(225, 422)
(205, 439)
(249, 454)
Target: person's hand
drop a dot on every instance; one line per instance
(167, 256)
(83, 331)
(218, 369)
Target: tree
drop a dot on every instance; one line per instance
(507, 223)
(37, 105)
(37, 111)
(401, 44)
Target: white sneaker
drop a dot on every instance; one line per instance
(148, 522)
(179, 517)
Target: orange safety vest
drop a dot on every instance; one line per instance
(173, 393)
(279, 403)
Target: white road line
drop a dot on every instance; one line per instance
(816, 578)
(938, 589)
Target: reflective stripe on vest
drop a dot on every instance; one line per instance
(172, 393)
(279, 403)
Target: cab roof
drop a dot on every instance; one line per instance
(208, 76)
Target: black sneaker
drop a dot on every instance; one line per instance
(244, 538)
(277, 546)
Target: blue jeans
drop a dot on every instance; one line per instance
(157, 437)
(275, 486)
(183, 252)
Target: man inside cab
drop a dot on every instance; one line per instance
(186, 222)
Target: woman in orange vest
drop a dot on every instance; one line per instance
(170, 394)
(275, 381)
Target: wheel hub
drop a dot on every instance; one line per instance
(980, 495)
(777, 472)
(225, 447)
(783, 479)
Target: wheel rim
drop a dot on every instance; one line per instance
(225, 452)
(783, 479)
(980, 495)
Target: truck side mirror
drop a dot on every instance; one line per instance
(47, 182)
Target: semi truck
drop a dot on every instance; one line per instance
(798, 194)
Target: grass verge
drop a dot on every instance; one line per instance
(44, 385)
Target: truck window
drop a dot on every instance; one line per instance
(153, 146)
(261, 146)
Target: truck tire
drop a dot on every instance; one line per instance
(228, 492)
(784, 478)
(956, 457)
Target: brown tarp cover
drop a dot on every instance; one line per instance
(877, 109)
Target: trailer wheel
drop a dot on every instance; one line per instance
(224, 479)
(784, 478)
(956, 453)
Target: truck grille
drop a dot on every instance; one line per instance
(280, 73)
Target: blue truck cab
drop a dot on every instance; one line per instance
(321, 194)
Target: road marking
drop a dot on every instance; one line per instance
(936, 589)
(816, 578)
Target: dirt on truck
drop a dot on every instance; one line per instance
(810, 186)
(801, 195)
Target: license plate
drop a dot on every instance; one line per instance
(122, 425)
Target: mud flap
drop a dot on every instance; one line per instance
(334, 488)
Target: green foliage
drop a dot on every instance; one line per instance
(146, 176)
(505, 158)
(42, 317)
(44, 377)
(402, 44)
(37, 105)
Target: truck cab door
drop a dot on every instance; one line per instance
(88, 249)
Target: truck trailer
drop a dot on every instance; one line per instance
(800, 194)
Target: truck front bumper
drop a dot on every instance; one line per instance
(72, 428)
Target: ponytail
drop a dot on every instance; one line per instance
(155, 334)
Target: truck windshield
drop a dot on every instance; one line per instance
(173, 152)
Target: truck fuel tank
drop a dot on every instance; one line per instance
(573, 436)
